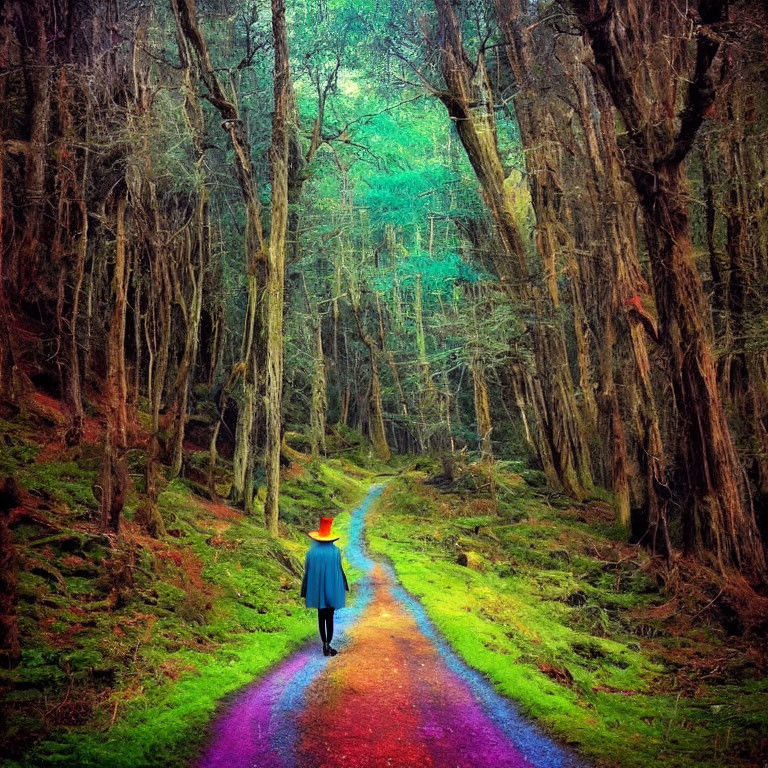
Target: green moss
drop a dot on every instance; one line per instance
(15, 451)
(64, 482)
(165, 724)
(323, 488)
(553, 637)
(152, 637)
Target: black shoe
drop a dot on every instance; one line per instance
(327, 650)
(331, 651)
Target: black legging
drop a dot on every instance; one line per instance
(325, 624)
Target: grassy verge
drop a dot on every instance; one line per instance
(542, 598)
(128, 649)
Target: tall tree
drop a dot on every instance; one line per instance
(641, 53)
(113, 478)
(265, 263)
(468, 97)
(252, 347)
(273, 324)
(376, 428)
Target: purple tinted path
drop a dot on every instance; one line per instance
(396, 696)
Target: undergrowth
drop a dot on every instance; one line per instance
(541, 596)
(130, 645)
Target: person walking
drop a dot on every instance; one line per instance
(324, 585)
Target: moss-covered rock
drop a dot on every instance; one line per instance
(471, 560)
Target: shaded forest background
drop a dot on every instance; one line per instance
(502, 230)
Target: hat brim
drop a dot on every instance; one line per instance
(317, 537)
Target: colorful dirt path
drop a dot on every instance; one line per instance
(396, 696)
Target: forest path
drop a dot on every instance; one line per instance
(396, 696)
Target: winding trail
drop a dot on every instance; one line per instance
(396, 696)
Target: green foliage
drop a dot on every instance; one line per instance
(380, 212)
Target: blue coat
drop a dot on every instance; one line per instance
(324, 581)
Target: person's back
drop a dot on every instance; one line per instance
(324, 585)
(324, 582)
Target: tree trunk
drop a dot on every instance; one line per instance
(718, 523)
(7, 357)
(262, 271)
(469, 102)
(389, 354)
(319, 401)
(428, 395)
(197, 241)
(376, 423)
(192, 311)
(482, 409)
(157, 330)
(114, 471)
(35, 59)
(624, 307)
(376, 430)
(276, 266)
(734, 161)
(68, 186)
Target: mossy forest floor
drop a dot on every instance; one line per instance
(540, 595)
(129, 646)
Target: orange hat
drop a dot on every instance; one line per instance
(324, 534)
